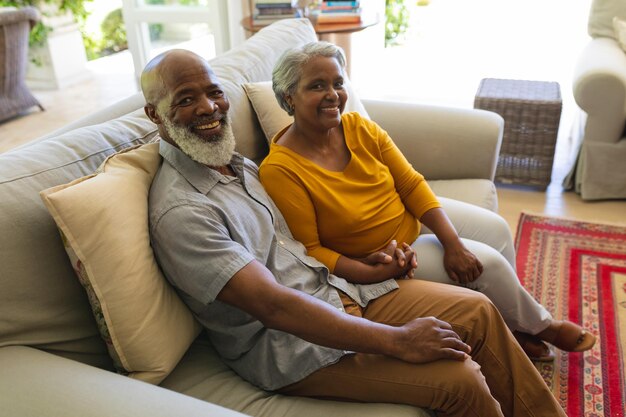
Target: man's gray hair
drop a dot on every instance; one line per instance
(288, 69)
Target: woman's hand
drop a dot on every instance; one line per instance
(403, 257)
(391, 262)
(461, 264)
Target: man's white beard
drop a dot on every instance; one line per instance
(216, 152)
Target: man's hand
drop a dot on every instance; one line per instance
(428, 339)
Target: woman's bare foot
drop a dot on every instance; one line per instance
(567, 336)
(536, 350)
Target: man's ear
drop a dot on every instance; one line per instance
(152, 114)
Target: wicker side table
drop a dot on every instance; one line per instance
(531, 112)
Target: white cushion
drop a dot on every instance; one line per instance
(601, 17)
(620, 31)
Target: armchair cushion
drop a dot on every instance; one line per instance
(620, 31)
(103, 218)
(601, 16)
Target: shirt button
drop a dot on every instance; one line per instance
(281, 242)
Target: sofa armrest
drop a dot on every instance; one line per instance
(599, 87)
(34, 383)
(442, 142)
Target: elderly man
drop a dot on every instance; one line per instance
(276, 316)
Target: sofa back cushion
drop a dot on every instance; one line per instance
(601, 16)
(42, 303)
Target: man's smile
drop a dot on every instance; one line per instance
(211, 125)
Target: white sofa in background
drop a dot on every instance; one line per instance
(599, 86)
(53, 361)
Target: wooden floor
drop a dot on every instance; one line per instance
(113, 80)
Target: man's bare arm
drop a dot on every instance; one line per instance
(254, 290)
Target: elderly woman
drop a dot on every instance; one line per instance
(349, 195)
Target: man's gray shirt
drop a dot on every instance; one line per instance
(204, 228)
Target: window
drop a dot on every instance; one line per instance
(153, 26)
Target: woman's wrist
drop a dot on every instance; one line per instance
(451, 242)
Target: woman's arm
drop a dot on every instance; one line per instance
(460, 264)
(410, 185)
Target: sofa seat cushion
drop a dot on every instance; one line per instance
(201, 374)
(103, 218)
(480, 192)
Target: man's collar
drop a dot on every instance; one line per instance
(199, 175)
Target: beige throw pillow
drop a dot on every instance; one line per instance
(273, 118)
(620, 31)
(103, 219)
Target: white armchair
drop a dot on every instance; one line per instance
(599, 87)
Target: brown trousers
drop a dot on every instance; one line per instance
(498, 380)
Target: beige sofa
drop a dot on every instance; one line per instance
(53, 361)
(599, 87)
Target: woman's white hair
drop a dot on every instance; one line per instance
(288, 69)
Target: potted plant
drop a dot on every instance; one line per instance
(57, 53)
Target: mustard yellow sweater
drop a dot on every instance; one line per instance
(378, 197)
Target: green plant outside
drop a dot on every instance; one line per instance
(39, 34)
(113, 37)
(396, 21)
(113, 30)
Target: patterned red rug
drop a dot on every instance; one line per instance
(577, 270)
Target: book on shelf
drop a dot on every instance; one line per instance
(336, 11)
(339, 4)
(263, 5)
(272, 11)
(326, 18)
(265, 12)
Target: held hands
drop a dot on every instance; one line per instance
(461, 264)
(394, 262)
(428, 339)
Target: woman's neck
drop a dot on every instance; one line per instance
(327, 149)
